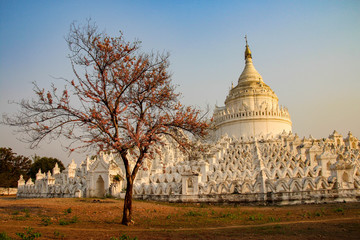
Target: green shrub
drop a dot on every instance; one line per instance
(228, 215)
(193, 214)
(258, 217)
(117, 178)
(272, 219)
(63, 222)
(74, 219)
(46, 221)
(123, 237)
(318, 214)
(306, 214)
(29, 235)
(58, 235)
(25, 210)
(4, 236)
(69, 210)
(339, 210)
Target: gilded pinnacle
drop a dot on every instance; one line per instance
(247, 50)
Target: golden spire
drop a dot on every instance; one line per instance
(247, 50)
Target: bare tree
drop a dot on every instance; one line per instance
(120, 99)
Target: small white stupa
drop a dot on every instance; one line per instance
(251, 108)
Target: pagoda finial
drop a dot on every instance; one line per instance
(247, 49)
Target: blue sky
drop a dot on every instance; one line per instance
(308, 52)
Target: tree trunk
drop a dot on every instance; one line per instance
(127, 212)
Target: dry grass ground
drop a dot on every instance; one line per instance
(100, 219)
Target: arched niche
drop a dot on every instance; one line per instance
(100, 187)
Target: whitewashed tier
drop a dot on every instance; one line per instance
(281, 170)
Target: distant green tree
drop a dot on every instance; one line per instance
(11, 167)
(45, 164)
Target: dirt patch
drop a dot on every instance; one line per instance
(101, 218)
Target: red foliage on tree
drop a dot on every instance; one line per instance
(120, 100)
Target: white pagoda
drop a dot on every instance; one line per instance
(251, 108)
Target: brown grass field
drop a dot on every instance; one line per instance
(100, 219)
